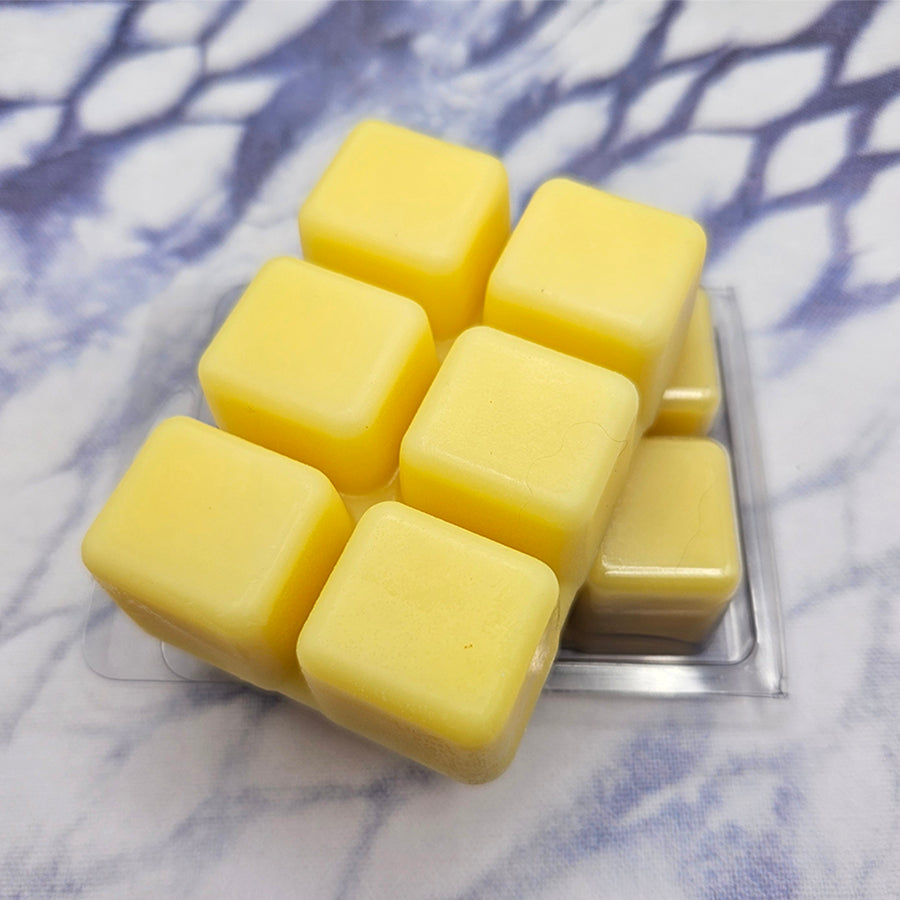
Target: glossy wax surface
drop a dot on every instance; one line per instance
(524, 445)
(323, 368)
(413, 214)
(694, 393)
(219, 547)
(605, 279)
(670, 559)
(432, 640)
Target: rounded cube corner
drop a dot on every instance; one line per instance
(716, 448)
(416, 318)
(696, 238)
(496, 289)
(91, 549)
(174, 425)
(308, 651)
(413, 458)
(496, 176)
(309, 220)
(626, 390)
(280, 263)
(553, 187)
(473, 336)
(386, 509)
(478, 734)
(550, 587)
(372, 124)
(732, 578)
(207, 370)
(324, 487)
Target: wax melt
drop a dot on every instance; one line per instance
(432, 640)
(322, 368)
(524, 445)
(692, 398)
(412, 214)
(602, 278)
(670, 559)
(219, 547)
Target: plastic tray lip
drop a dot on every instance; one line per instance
(761, 672)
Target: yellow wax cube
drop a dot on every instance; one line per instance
(523, 445)
(412, 214)
(432, 641)
(602, 278)
(670, 559)
(219, 547)
(691, 401)
(322, 368)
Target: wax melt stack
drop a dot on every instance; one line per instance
(430, 464)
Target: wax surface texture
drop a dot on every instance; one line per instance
(692, 398)
(431, 625)
(412, 214)
(670, 559)
(219, 547)
(432, 641)
(322, 368)
(605, 279)
(523, 445)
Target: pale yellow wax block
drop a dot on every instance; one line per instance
(323, 368)
(219, 547)
(670, 559)
(524, 445)
(412, 214)
(432, 641)
(692, 398)
(602, 278)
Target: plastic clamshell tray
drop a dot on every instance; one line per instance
(744, 656)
